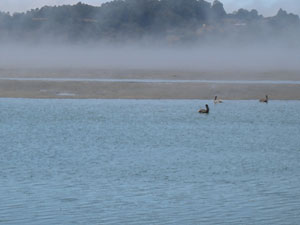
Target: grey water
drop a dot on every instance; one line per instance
(149, 162)
(103, 80)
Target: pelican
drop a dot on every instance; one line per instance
(265, 100)
(204, 110)
(216, 101)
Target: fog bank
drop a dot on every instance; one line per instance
(218, 57)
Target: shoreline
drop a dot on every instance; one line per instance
(151, 99)
(148, 84)
(103, 80)
(132, 90)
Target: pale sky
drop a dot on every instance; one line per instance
(265, 7)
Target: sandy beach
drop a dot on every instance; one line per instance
(83, 83)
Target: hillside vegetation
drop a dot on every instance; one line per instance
(168, 20)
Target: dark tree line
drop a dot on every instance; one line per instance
(135, 19)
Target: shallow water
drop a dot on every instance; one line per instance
(155, 80)
(149, 162)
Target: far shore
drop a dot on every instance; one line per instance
(15, 87)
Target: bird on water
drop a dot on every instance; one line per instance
(264, 100)
(204, 110)
(216, 101)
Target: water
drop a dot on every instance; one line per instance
(149, 162)
(102, 80)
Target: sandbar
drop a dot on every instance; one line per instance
(86, 84)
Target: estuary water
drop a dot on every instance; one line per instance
(149, 162)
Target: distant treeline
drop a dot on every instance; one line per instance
(169, 20)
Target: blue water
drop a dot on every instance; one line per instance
(149, 162)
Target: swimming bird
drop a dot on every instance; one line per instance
(204, 110)
(265, 100)
(216, 101)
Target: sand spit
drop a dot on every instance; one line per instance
(47, 89)
(15, 87)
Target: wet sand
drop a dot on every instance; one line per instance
(15, 87)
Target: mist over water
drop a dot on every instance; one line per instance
(252, 57)
(152, 35)
(149, 161)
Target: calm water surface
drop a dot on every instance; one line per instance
(149, 162)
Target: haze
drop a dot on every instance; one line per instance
(196, 58)
(266, 7)
(259, 53)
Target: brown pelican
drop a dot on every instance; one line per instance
(216, 101)
(204, 110)
(265, 100)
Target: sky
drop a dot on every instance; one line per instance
(265, 7)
